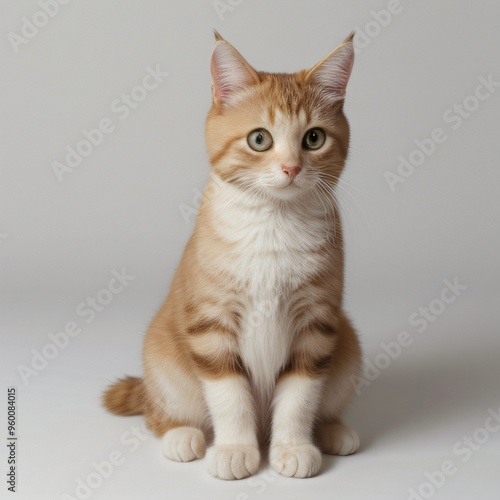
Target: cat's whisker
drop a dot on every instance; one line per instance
(330, 196)
(336, 196)
(350, 195)
(343, 181)
(336, 178)
(326, 214)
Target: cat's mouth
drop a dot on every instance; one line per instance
(287, 184)
(286, 189)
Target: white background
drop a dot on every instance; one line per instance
(121, 208)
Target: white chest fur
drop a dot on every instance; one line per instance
(274, 249)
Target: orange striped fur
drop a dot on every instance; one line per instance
(252, 342)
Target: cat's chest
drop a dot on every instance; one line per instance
(270, 261)
(275, 252)
(264, 342)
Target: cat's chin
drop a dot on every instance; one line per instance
(289, 192)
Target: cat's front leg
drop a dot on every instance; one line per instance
(296, 402)
(235, 453)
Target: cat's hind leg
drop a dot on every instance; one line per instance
(335, 438)
(176, 412)
(332, 436)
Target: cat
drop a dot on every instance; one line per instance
(252, 349)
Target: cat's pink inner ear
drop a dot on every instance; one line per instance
(231, 74)
(333, 72)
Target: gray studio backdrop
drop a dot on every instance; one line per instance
(102, 165)
(126, 201)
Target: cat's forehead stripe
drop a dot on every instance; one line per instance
(284, 94)
(288, 124)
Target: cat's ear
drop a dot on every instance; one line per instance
(332, 73)
(230, 73)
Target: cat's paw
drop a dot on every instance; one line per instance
(337, 439)
(303, 460)
(184, 444)
(233, 461)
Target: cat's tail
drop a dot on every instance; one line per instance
(125, 397)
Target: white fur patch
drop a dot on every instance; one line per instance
(295, 403)
(273, 254)
(184, 444)
(232, 410)
(233, 462)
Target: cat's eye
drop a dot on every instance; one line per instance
(260, 139)
(314, 138)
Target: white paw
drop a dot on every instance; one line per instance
(337, 439)
(233, 461)
(184, 444)
(302, 460)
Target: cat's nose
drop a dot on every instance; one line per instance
(292, 172)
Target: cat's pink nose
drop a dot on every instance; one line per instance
(292, 172)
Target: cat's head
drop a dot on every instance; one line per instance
(275, 134)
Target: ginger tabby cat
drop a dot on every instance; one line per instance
(252, 349)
